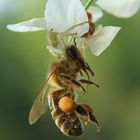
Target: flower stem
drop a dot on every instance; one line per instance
(88, 4)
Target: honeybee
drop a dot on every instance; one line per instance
(61, 98)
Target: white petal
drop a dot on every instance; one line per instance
(120, 8)
(101, 39)
(55, 51)
(35, 24)
(96, 13)
(63, 14)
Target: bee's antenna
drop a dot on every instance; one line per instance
(74, 40)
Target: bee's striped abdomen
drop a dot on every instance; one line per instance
(68, 123)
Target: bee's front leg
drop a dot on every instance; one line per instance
(88, 82)
(70, 78)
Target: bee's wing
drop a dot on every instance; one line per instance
(39, 106)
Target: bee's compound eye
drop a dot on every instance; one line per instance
(66, 104)
(72, 52)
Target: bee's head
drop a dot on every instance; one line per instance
(72, 53)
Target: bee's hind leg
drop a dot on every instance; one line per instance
(86, 112)
(54, 96)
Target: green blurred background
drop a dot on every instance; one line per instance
(24, 61)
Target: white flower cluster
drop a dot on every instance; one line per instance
(68, 17)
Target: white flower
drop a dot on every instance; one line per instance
(102, 36)
(59, 16)
(120, 8)
(36, 24)
(62, 15)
